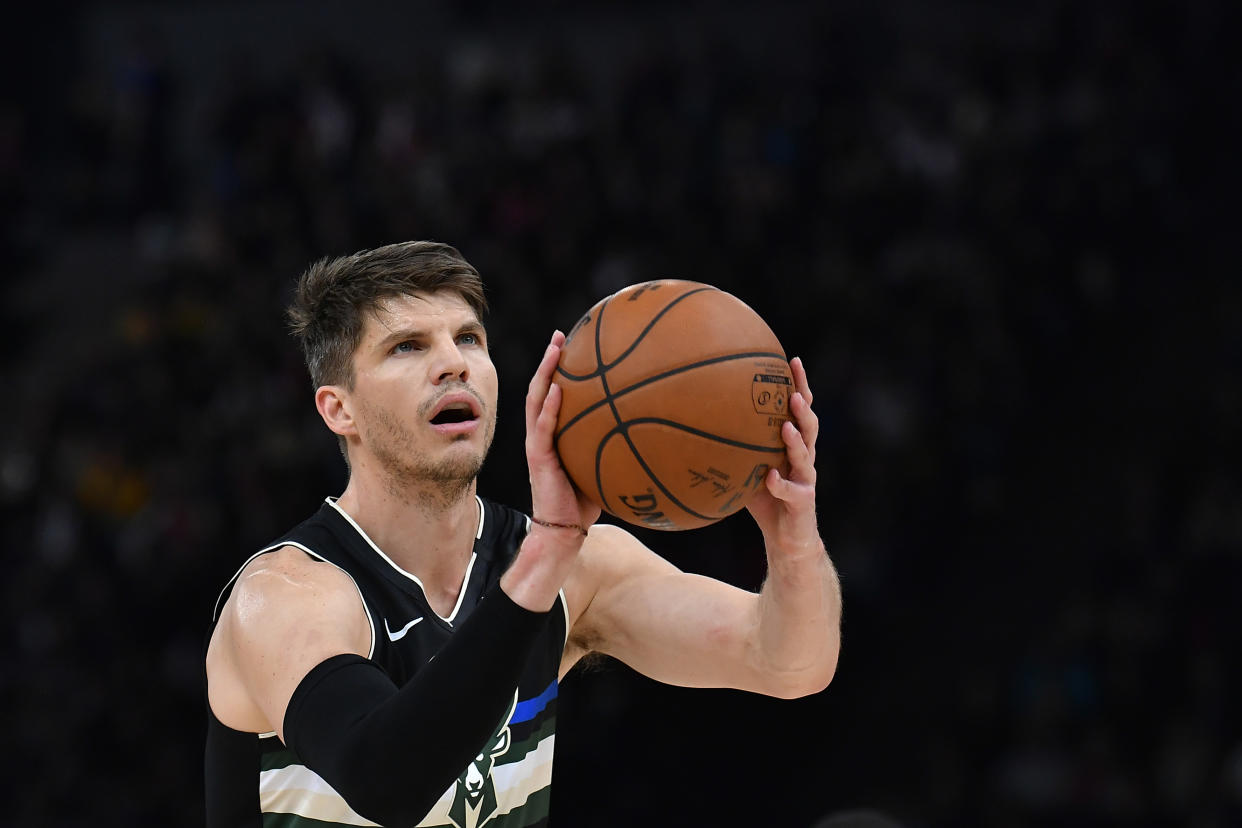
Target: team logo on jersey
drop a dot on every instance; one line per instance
(474, 796)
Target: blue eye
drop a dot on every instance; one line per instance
(403, 347)
(469, 338)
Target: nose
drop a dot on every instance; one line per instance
(450, 363)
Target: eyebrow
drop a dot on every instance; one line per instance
(404, 334)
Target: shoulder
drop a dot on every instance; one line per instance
(291, 569)
(289, 583)
(287, 612)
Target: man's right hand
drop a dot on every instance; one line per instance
(549, 553)
(554, 498)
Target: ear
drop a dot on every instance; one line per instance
(333, 404)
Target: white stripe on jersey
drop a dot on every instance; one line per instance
(296, 789)
(215, 615)
(515, 783)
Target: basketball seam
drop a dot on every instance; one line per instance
(622, 429)
(603, 378)
(657, 377)
(600, 367)
(707, 435)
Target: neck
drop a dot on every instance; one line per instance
(428, 531)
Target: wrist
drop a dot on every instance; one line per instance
(544, 561)
(796, 557)
(548, 524)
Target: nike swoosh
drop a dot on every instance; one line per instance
(400, 634)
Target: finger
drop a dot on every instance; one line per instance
(539, 437)
(806, 420)
(777, 486)
(801, 461)
(546, 423)
(786, 489)
(801, 385)
(541, 381)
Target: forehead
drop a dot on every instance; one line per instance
(420, 310)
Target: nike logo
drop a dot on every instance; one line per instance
(400, 634)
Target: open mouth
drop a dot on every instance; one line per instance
(456, 413)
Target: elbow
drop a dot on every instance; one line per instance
(814, 678)
(819, 679)
(805, 684)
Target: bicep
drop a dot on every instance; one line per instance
(673, 626)
(286, 615)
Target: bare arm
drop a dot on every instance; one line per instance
(287, 613)
(694, 631)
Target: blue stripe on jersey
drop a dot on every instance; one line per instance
(529, 709)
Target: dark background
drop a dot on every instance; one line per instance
(1001, 235)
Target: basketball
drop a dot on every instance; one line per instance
(673, 397)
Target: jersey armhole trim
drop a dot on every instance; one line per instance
(564, 609)
(215, 615)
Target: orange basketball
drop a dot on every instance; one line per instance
(674, 393)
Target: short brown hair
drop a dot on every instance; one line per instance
(334, 294)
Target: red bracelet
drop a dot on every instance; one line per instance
(576, 527)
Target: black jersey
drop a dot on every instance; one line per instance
(255, 780)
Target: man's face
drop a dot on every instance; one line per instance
(424, 395)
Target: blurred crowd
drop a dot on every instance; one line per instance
(992, 231)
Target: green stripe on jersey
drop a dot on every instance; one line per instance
(518, 750)
(277, 759)
(532, 811)
(295, 821)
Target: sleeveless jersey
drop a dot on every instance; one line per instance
(255, 780)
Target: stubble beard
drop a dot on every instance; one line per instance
(434, 483)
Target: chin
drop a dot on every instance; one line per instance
(464, 463)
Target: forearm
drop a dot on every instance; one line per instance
(799, 628)
(392, 753)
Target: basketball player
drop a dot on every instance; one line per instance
(394, 659)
